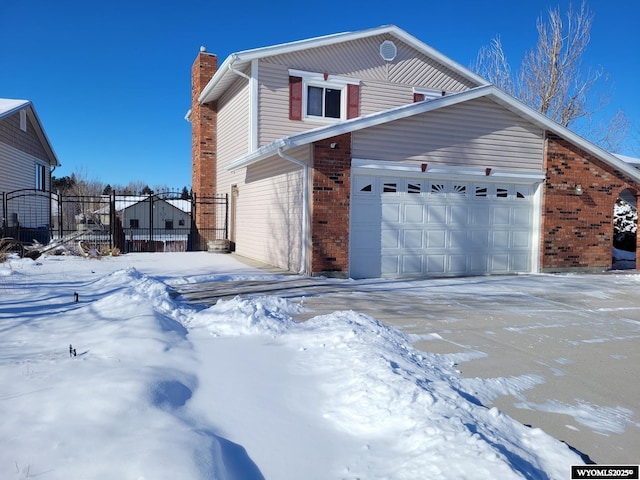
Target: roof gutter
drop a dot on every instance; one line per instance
(305, 207)
(226, 66)
(237, 72)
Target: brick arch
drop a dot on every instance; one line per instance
(577, 229)
(635, 193)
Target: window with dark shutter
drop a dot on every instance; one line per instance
(323, 97)
(418, 97)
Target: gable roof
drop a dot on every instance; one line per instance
(9, 107)
(225, 76)
(488, 91)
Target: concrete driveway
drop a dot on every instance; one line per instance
(564, 347)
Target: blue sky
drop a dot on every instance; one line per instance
(111, 80)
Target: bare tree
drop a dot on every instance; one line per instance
(493, 65)
(551, 77)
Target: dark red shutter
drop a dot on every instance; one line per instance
(418, 97)
(353, 101)
(295, 98)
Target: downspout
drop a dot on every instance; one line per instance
(305, 206)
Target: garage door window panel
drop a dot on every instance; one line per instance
(414, 187)
(481, 191)
(439, 188)
(459, 190)
(390, 187)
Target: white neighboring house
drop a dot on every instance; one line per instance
(165, 223)
(27, 161)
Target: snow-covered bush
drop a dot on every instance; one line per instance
(625, 226)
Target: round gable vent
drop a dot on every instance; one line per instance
(388, 50)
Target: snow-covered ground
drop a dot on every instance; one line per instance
(160, 389)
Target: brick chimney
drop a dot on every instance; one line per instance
(203, 126)
(203, 145)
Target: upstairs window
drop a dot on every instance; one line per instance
(314, 96)
(323, 102)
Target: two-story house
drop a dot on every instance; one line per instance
(26, 162)
(369, 154)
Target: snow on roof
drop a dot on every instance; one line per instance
(9, 106)
(126, 201)
(627, 159)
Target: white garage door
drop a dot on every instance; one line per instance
(405, 227)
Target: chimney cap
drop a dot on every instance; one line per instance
(203, 48)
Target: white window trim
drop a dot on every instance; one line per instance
(315, 79)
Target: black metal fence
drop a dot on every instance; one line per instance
(161, 222)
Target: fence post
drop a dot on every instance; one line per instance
(112, 219)
(150, 247)
(195, 239)
(60, 216)
(4, 214)
(226, 217)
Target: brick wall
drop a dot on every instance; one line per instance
(330, 206)
(577, 230)
(203, 138)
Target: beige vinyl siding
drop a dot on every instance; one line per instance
(233, 122)
(361, 58)
(477, 133)
(269, 212)
(384, 85)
